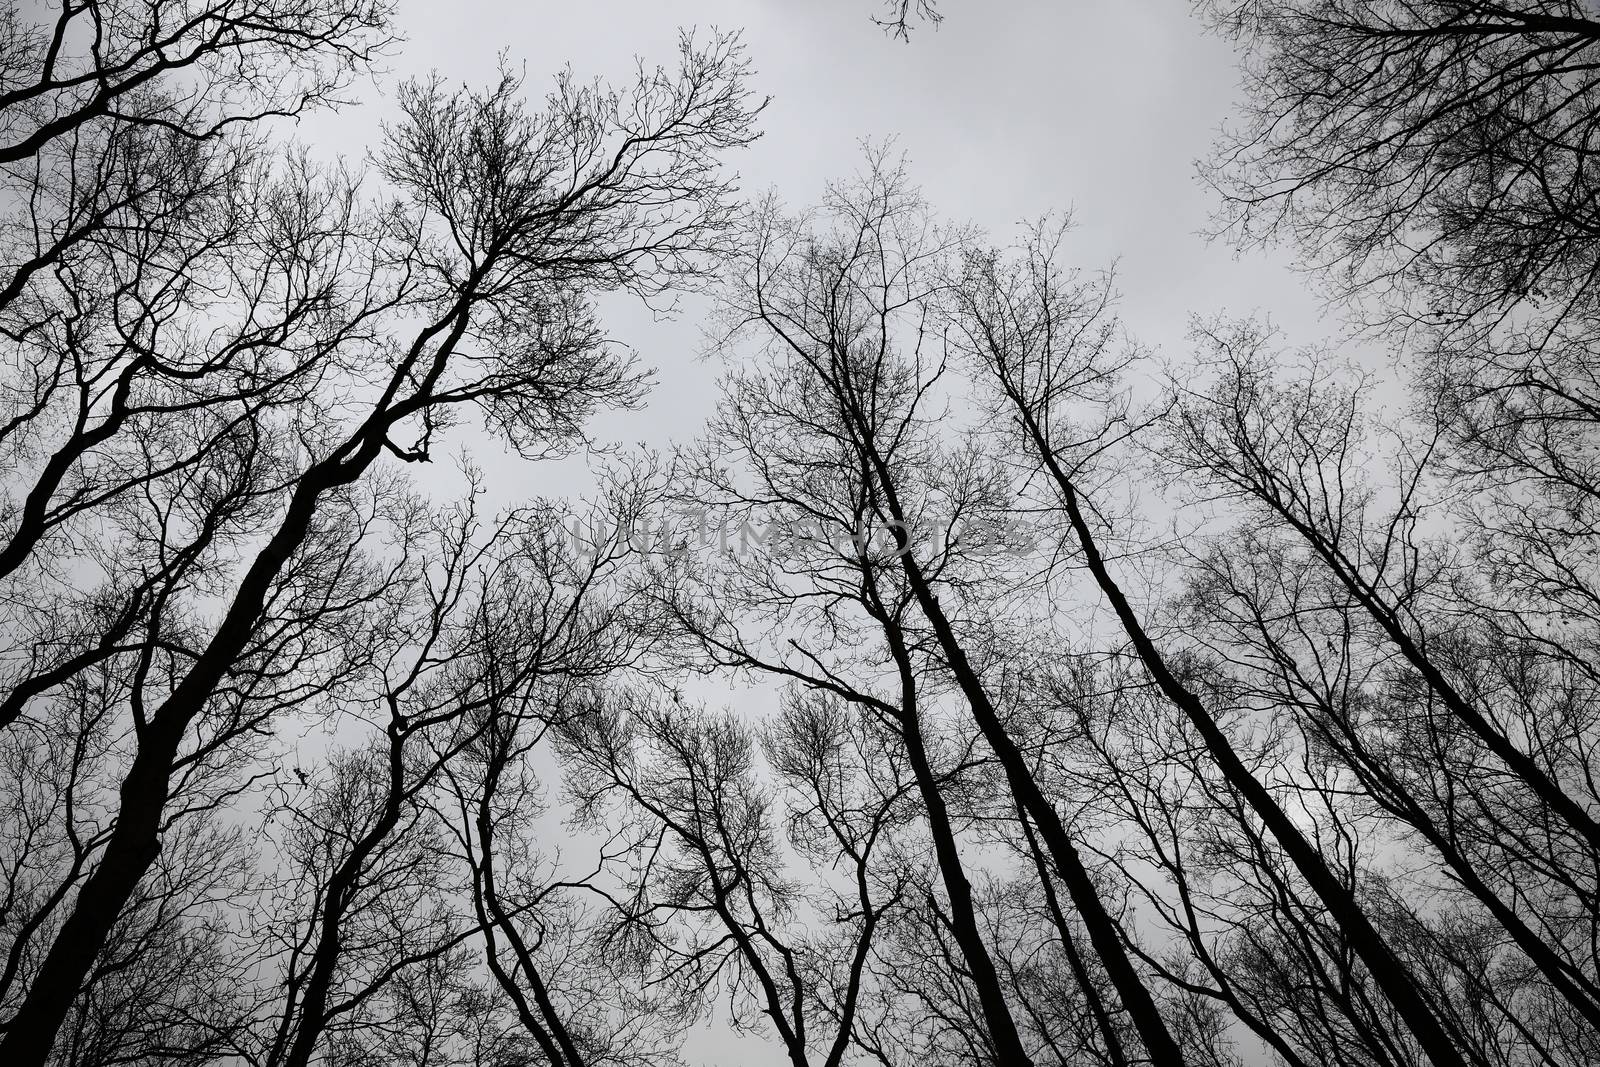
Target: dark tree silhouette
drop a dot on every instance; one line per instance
(469, 292)
(192, 68)
(1021, 323)
(1441, 147)
(840, 436)
(898, 16)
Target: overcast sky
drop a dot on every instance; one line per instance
(1006, 111)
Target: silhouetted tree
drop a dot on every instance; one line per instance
(553, 632)
(1022, 321)
(470, 291)
(1440, 146)
(835, 433)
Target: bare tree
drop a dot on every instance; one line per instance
(506, 221)
(1023, 323)
(1361, 616)
(897, 16)
(1418, 597)
(711, 900)
(1439, 146)
(554, 632)
(839, 435)
(193, 68)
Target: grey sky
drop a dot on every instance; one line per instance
(1005, 111)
